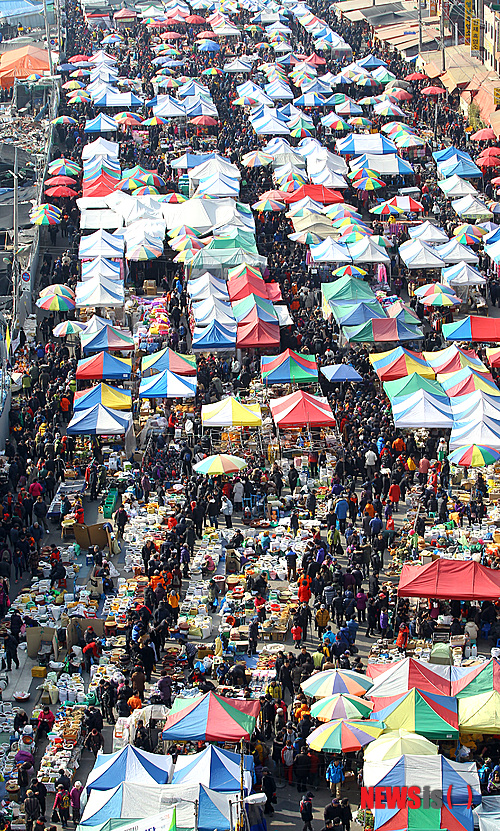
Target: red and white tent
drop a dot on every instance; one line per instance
(301, 410)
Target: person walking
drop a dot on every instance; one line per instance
(306, 811)
(335, 776)
(62, 804)
(32, 810)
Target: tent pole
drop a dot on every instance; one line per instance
(241, 820)
(195, 815)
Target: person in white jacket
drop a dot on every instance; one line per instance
(471, 631)
(238, 491)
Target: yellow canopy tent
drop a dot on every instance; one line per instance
(231, 413)
(480, 713)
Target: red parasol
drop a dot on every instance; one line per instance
(78, 59)
(60, 180)
(207, 34)
(483, 135)
(172, 36)
(433, 91)
(490, 161)
(61, 190)
(195, 19)
(204, 121)
(416, 76)
(401, 94)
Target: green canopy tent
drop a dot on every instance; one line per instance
(403, 387)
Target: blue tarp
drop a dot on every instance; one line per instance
(18, 8)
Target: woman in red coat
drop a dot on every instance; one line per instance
(395, 494)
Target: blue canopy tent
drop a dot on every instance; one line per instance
(214, 338)
(167, 385)
(128, 765)
(102, 123)
(337, 373)
(215, 768)
(99, 421)
(360, 313)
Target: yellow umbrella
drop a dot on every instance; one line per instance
(397, 743)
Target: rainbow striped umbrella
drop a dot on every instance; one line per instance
(439, 298)
(474, 455)
(183, 229)
(368, 183)
(59, 290)
(332, 681)
(173, 198)
(342, 736)
(433, 288)
(68, 327)
(56, 303)
(257, 159)
(351, 270)
(64, 119)
(146, 190)
(268, 205)
(359, 121)
(45, 219)
(221, 463)
(154, 121)
(341, 705)
(362, 173)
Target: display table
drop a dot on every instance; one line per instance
(70, 489)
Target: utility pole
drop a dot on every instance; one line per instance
(443, 51)
(15, 244)
(47, 36)
(420, 39)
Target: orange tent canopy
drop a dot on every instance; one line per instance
(19, 63)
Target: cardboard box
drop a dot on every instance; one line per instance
(39, 672)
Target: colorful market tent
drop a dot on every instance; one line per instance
(167, 384)
(445, 579)
(467, 380)
(473, 328)
(214, 338)
(477, 680)
(458, 781)
(241, 287)
(100, 291)
(99, 421)
(408, 673)
(103, 366)
(131, 765)
(229, 412)
(299, 409)
(480, 430)
(452, 358)
(168, 359)
(215, 768)
(480, 713)
(398, 363)
(111, 397)
(164, 821)
(488, 813)
(210, 718)
(196, 805)
(106, 337)
(432, 716)
(289, 367)
(381, 330)
(261, 306)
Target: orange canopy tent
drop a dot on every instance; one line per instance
(22, 62)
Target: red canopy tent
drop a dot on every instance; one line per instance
(241, 287)
(255, 332)
(103, 185)
(300, 410)
(319, 193)
(445, 579)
